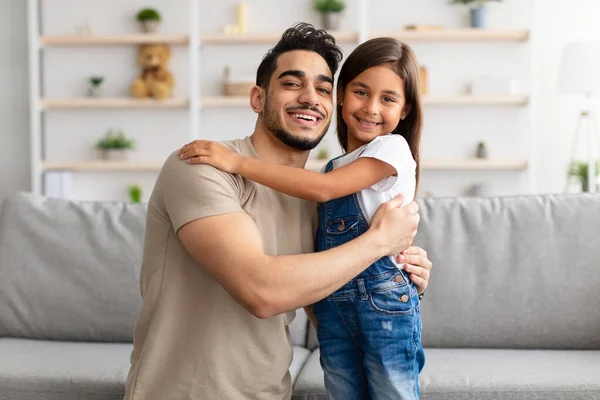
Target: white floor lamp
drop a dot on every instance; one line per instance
(580, 75)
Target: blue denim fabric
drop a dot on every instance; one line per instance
(370, 329)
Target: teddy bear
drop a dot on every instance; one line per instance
(155, 80)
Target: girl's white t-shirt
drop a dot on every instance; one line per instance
(394, 150)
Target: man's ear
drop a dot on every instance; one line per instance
(257, 99)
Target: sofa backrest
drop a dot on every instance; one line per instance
(69, 270)
(299, 328)
(512, 272)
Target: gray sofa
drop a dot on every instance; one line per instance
(512, 312)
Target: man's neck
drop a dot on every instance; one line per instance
(271, 149)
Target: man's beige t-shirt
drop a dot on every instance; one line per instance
(192, 340)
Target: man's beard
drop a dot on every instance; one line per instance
(298, 143)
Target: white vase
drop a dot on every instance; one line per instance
(114, 154)
(94, 91)
(478, 15)
(332, 20)
(150, 26)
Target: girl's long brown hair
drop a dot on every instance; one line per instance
(401, 58)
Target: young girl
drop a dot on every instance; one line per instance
(370, 329)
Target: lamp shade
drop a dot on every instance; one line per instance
(580, 69)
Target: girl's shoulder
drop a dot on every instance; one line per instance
(390, 143)
(390, 138)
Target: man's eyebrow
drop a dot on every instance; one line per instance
(325, 78)
(365, 86)
(300, 74)
(292, 72)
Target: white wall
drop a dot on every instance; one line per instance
(449, 131)
(556, 23)
(14, 122)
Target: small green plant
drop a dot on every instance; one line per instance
(323, 154)
(148, 14)
(114, 139)
(96, 80)
(481, 150)
(476, 3)
(579, 170)
(333, 6)
(135, 193)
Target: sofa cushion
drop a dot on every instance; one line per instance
(512, 272)
(299, 357)
(489, 374)
(38, 369)
(310, 384)
(298, 328)
(69, 268)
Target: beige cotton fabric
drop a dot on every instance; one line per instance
(192, 340)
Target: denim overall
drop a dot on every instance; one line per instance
(369, 330)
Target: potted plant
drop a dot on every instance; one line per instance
(579, 170)
(331, 11)
(114, 145)
(135, 193)
(149, 18)
(481, 150)
(94, 89)
(323, 154)
(477, 11)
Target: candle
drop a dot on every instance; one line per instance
(241, 18)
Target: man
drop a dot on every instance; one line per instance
(226, 261)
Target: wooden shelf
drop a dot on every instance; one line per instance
(449, 165)
(123, 102)
(475, 100)
(267, 38)
(225, 101)
(312, 164)
(467, 34)
(473, 165)
(272, 38)
(102, 166)
(234, 101)
(136, 38)
(509, 100)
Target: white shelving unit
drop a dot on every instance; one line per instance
(196, 41)
(312, 164)
(219, 39)
(102, 166)
(452, 165)
(447, 35)
(124, 102)
(518, 100)
(113, 40)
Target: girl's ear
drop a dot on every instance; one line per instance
(257, 99)
(340, 95)
(405, 111)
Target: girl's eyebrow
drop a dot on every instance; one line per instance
(365, 86)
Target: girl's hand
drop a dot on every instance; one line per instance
(417, 265)
(211, 153)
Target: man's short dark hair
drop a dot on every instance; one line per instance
(301, 36)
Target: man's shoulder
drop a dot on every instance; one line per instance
(175, 165)
(240, 146)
